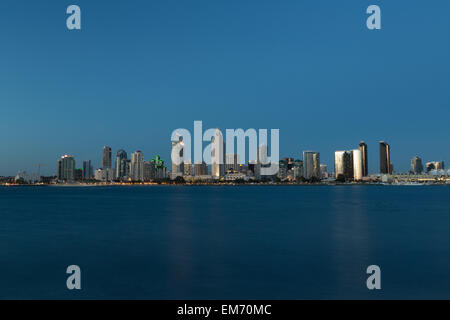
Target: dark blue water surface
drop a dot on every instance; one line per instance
(258, 242)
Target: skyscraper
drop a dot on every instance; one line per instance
(385, 158)
(343, 165)
(311, 165)
(106, 158)
(200, 169)
(416, 165)
(365, 165)
(358, 167)
(232, 162)
(88, 172)
(217, 154)
(66, 168)
(120, 169)
(137, 166)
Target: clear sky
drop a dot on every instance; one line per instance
(139, 69)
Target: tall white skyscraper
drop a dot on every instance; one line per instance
(217, 154)
(358, 169)
(137, 166)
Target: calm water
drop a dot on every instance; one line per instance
(225, 242)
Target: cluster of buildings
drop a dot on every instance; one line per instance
(349, 165)
(125, 169)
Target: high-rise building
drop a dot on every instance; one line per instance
(343, 165)
(365, 164)
(232, 162)
(311, 165)
(66, 168)
(385, 158)
(88, 172)
(137, 166)
(298, 169)
(358, 167)
(282, 169)
(188, 169)
(200, 169)
(106, 158)
(149, 171)
(416, 165)
(217, 155)
(324, 171)
(120, 169)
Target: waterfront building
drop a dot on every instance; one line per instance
(311, 165)
(188, 169)
(385, 158)
(137, 166)
(343, 165)
(120, 164)
(106, 157)
(416, 165)
(88, 171)
(232, 162)
(282, 169)
(217, 155)
(149, 171)
(324, 171)
(200, 169)
(365, 165)
(66, 168)
(358, 167)
(298, 169)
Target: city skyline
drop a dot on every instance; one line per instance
(114, 163)
(315, 72)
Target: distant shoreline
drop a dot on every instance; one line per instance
(92, 185)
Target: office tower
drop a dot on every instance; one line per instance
(343, 165)
(120, 169)
(365, 164)
(298, 169)
(416, 165)
(324, 171)
(217, 155)
(149, 171)
(188, 169)
(137, 166)
(385, 158)
(66, 168)
(358, 167)
(177, 158)
(106, 158)
(232, 162)
(282, 169)
(200, 169)
(311, 165)
(87, 170)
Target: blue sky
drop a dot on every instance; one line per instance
(140, 69)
